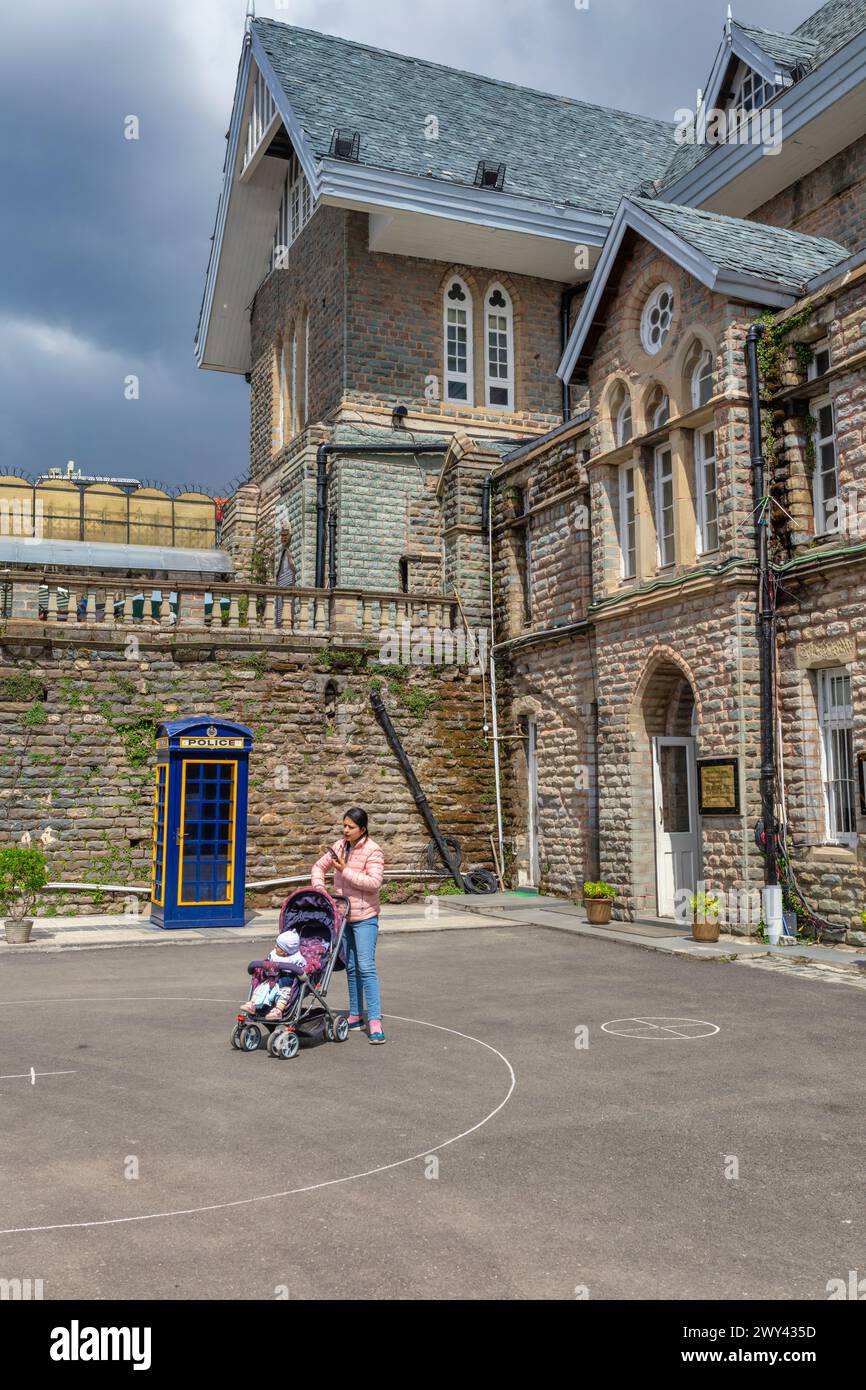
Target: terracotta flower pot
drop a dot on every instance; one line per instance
(598, 910)
(705, 930)
(18, 930)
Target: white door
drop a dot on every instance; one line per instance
(676, 820)
(532, 790)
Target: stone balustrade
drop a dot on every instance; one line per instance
(107, 603)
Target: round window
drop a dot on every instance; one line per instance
(655, 321)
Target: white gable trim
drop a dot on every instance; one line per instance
(755, 289)
(232, 170)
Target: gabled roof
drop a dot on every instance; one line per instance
(553, 147)
(744, 260)
(768, 51)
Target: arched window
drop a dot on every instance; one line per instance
(499, 349)
(624, 427)
(458, 342)
(699, 369)
(658, 409)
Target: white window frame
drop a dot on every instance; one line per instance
(499, 382)
(662, 413)
(707, 515)
(295, 210)
(466, 378)
(819, 497)
(700, 376)
(624, 411)
(665, 541)
(819, 348)
(628, 520)
(837, 774)
(646, 327)
(753, 86)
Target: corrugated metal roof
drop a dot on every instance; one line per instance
(94, 555)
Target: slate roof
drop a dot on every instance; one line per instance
(813, 41)
(749, 248)
(554, 148)
(833, 25)
(787, 49)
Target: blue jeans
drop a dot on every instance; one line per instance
(360, 938)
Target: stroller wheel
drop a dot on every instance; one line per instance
(251, 1037)
(235, 1039)
(341, 1028)
(283, 1044)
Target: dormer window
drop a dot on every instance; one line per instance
(754, 92)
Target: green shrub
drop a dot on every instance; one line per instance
(23, 875)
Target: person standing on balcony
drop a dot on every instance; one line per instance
(358, 865)
(287, 575)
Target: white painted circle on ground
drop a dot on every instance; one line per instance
(269, 1196)
(654, 1029)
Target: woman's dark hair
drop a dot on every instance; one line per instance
(358, 816)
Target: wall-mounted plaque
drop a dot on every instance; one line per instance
(719, 786)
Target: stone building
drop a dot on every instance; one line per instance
(465, 289)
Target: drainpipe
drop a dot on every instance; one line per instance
(766, 636)
(486, 506)
(323, 453)
(332, 550)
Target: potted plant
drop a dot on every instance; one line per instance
(23, 875)
(705, 917)
(598, 901)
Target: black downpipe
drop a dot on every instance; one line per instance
(332, 550)
(485, 504)
(415, 787)
(322, 454)
(766, 643)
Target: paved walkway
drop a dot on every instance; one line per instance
(461, 912)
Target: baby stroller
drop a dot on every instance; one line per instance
(319, 921)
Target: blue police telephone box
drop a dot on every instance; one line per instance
(198, 873)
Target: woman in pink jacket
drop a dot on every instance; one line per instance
(359, 867)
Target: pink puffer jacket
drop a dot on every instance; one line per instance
(360, 881)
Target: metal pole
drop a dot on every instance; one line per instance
(332, 550)
(496, 775)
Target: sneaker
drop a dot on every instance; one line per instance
(275, 1014)
(249, 1007)
(356, 1025)
(376, 1035)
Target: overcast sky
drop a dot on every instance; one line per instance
(104, 240)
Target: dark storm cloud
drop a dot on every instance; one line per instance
(105, 240)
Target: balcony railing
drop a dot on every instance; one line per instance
(94, 601)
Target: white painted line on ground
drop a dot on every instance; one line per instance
(32, 1075)
(294, 1191)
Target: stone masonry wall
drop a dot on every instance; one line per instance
(77, 721)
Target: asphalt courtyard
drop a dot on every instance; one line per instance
(706, 1143)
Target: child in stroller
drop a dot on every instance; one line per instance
(277, 976)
